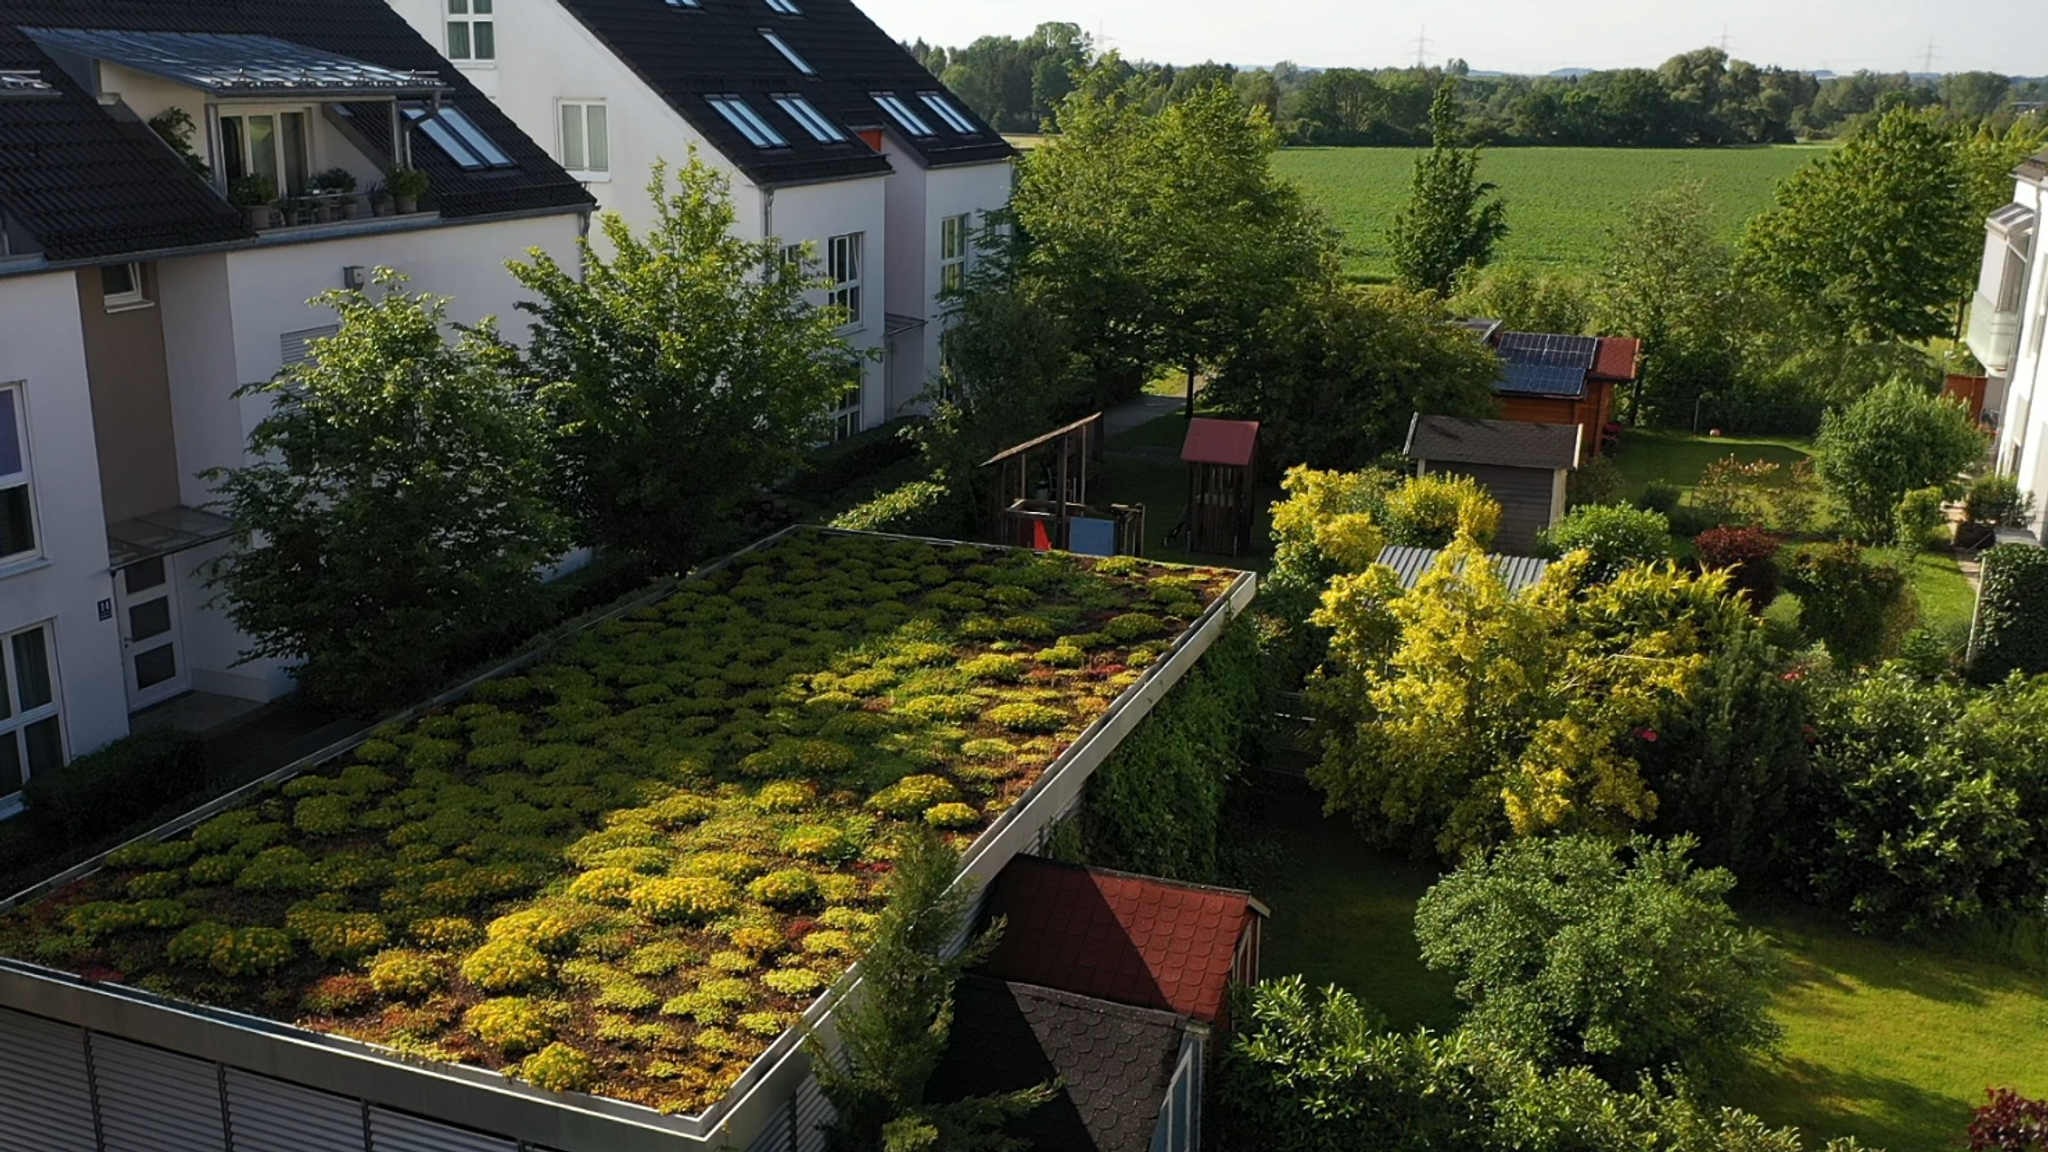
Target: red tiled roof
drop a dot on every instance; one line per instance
(1128, 939)
(1616, 359)
(1231, 442)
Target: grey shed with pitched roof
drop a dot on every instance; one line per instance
(1522, 465)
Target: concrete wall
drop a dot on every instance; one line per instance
(813, 213)
(42, 348)
(2022, 444)
(131, 398)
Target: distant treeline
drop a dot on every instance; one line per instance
(1699, 99)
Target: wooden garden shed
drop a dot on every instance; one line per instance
(1523, 465)
(1223, 467)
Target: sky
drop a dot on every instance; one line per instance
(1531, 36)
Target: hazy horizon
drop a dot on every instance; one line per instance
(2007, 36)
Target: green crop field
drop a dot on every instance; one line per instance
(1561, 201)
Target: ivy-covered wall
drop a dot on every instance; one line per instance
(1156, 806)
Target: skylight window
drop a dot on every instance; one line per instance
(453, 132)
(799, 63)
(900, 112)
(954, 118)
(741, 115)
(786, 7)
(822, 130)
(684, 4)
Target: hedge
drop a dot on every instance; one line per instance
(2011, 633)
(104, 791)
(832, 470)
(919, 508)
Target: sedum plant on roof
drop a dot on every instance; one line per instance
(627, 869)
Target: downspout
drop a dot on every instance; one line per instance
(767, 214)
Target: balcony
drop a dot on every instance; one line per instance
(1994, 335)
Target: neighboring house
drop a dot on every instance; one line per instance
(1551, 379)
(832, 134)
(2008, 325)
(1112, 983)
(1524, 466)
(135, 300)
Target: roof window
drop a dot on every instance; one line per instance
(954, 118)
(799, 63)
(741, 115)
(822, 130)
(786, 7)
(686, 4)
(900, 112)
(453, 132)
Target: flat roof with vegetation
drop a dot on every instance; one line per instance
(629, 868)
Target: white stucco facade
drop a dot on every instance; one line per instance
(42, 363)
(2013, 342)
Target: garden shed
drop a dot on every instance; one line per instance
(1522, 465)
(1547, 378)
(583, 903)
(1223, 464)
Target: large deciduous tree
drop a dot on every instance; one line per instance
(1666, 282)
(1897, 438)
(397, 507)
(1875, 241)
(683, 372)
(1453, 219)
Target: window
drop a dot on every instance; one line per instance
(121, 287)
(789, 263)
(17, 505)
(900, 112)
(843, 264)
(455, 134)
(786, 7)
(741, 115)
(685, 4)
(267, 144)
(846, 413)
(954, 238)
(954, 118)
(788, 53)
(822, 130)
(30, 740)
(472, 34)
(586, 146)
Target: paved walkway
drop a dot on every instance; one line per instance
(1144, 410)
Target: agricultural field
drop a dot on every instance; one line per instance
(627, 869)
(1561, 201)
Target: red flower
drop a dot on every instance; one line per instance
(1648, 734)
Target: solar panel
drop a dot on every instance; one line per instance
(1548, 349)
(234, 63)
(1542, 379)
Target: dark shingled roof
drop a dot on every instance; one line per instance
(1505, 442)
(1116, 1062)
(1132, 939)
(88, 185)
(716, 48)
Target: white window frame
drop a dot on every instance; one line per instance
(746, 121)
(846, 412)
(14, 726)
(16, 395)
(956, 249)
(241, 115)
(790, 54)
(786, 7)
(845, 261)
(135, 297)
(809, 119)
(900, 112)
(468, 15)
(945, 109)
(585, 171)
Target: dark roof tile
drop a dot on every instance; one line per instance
(1509, 443)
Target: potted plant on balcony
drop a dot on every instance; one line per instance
(335, 189)
(379, 198)
(407, 185)
(255, 195)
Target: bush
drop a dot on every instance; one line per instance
(2011, 631)
(1860, 609)
(1616, 535)
(919, 508)
(832, 470)
(1898, 437)
(1660, 496)
(102, 792)
(1750, 557)
(1572, 953)
(1918, 517)
(1430, 511)
(1995, 499)
(1597, 481)
(2009, 1123)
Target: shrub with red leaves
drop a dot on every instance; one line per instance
(1749, 554)
(2010, 1123)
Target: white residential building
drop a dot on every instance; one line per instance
(135, 300)
(2008, 328)
(832, 135)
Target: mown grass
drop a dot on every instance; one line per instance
(1682, 458)
(1143, 466)
(1561, 201)
(1892, 1042)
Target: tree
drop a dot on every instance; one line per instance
(681, 378)
(1452, 220)
(1665, 282)
(1898, 437)
(1525, 300)
(398, 507)
(1614, 537)
(1335, 374)
(896, 1031)
(1876, 240)
(1570, 951)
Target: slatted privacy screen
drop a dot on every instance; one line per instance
(397, 1132)
(799, 1124)
(46, 1086)
(266, 1115)
(151, 1100)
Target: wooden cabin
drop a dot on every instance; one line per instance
(1223, 470)
(1523, 466)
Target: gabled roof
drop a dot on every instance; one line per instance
(1131, 939)
(1115, 1063)
(92, 183)
(1508, 443)
(687, 52)
(1228, 442)
(1616, 359)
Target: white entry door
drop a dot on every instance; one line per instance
(152, 651)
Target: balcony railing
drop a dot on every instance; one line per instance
(1994, 335)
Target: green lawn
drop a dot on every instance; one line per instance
(1681, 458)
(1892, 1043)
(1947, 599)
(1561, 201)
(1143, 467)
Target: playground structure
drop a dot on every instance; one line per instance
(1041, 496)
(1223, 464)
